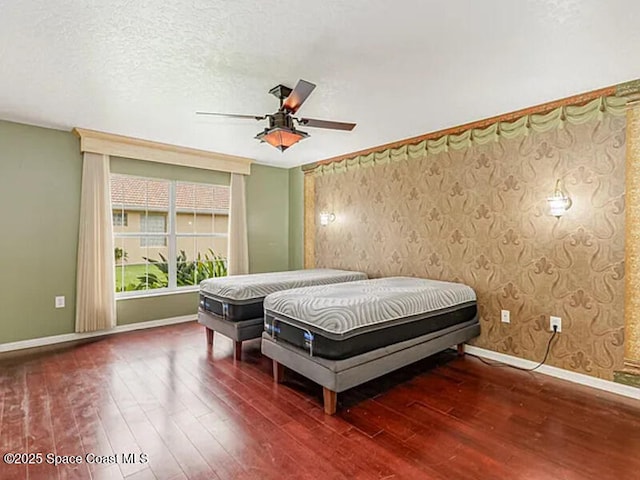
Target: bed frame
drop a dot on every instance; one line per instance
(336, 376)
(236, 331)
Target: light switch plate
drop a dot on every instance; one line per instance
(505, 316)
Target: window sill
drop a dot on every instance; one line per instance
(159, 293)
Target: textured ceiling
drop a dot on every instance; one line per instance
(398, 69)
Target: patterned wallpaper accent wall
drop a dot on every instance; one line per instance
(480, 216)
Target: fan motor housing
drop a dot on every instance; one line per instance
(281, 119)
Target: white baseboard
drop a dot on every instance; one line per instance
(70, 337)
(600, 384)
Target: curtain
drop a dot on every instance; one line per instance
(238, 250)
(95, 290)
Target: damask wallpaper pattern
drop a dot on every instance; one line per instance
(480, 216)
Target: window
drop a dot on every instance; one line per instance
(175, 235)
(153, 223)
(120, 219)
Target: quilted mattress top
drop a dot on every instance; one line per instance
(259, 285)
(342, 308)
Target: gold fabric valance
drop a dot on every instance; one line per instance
(575, 115)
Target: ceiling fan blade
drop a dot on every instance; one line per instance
(313, 122)
(232, 115)
(298, 96)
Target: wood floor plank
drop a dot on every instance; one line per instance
(14, 422)
(163, 463)
(111, 472)
(40, 439)
(234, 436)
(65, 430)
(188, 457)
(161, 370)
(220, 461)
(117, 429)
(268, 442)
(146, 474)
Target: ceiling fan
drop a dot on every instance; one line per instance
(282, 132)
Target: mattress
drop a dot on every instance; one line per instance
(239, 297)
(340, 321)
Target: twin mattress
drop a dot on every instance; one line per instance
(240, 297)
(342, 320)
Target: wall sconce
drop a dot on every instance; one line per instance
(559, 202)
(326, 218)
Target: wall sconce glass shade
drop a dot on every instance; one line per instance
(559, 202)
(326, 218)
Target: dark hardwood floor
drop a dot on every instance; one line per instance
(201, 415)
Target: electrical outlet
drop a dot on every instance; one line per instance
(555, 321)
(60, 302)
(505, 316)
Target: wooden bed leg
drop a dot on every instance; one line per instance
(461, 349)
(330, 399)
(209, 333)
(237, 350)
(278, 372)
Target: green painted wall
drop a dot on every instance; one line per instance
(134, 310)
(296, 218)
(267, 191)
(40, 178)
(40, 172)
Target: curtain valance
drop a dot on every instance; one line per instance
(556, 118)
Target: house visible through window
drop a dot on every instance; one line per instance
(167, 234)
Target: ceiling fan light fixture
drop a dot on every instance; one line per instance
(282, 132)
(281, 137)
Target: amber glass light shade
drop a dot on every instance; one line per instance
(281, 138)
